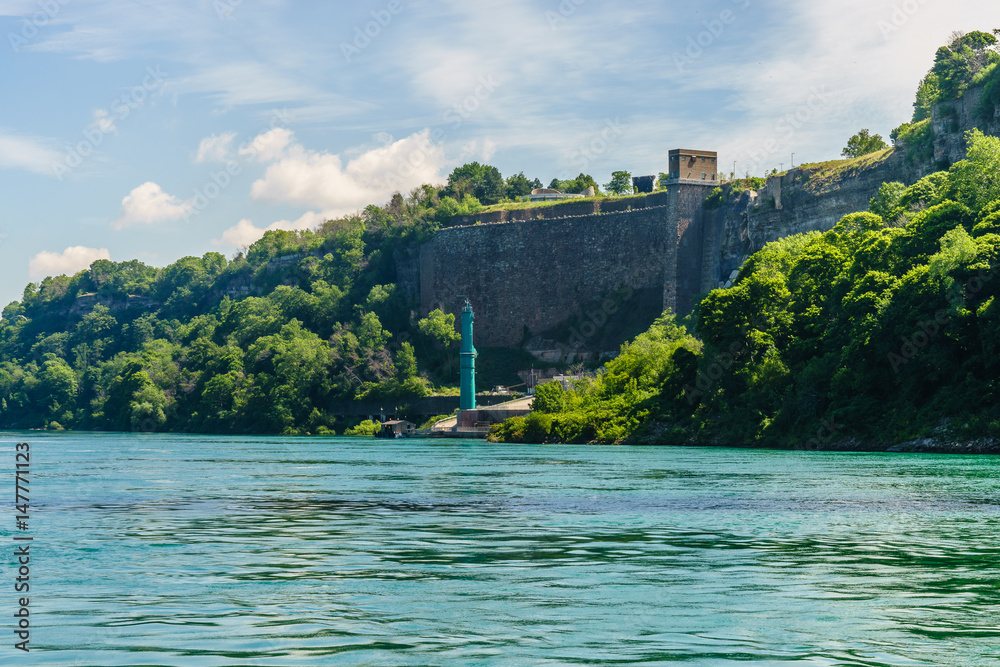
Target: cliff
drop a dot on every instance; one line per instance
(815, 197)
(574, 278)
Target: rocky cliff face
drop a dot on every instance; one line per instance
(816, 197)
(950, 121)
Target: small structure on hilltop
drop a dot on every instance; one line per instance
(643, 184)
(693, 166)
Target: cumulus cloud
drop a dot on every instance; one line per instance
(69, 261)
(245, 233)
(148, 204)
(216, 148)
(322, 180)
(18, 152)
(268, 146)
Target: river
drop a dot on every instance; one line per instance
(197, 550)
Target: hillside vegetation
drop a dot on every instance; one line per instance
(261, 343)
(884, 328)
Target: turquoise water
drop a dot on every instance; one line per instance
(191, 550)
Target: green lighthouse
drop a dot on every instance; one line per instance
(467, 399)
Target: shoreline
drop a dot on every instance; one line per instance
(927, 445)
(978, 446)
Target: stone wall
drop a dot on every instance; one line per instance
(527, 277)
(547, 273)
(566, 281)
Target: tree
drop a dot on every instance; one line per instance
(549, 397)
(955, 67)
(481, 181)
(519, 186)
(863, 143)
(57, 388)
(621, 183)
(884, 203)
(976, 180)
(574, 186)
(439, 327)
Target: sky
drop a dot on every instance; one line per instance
(158, 129)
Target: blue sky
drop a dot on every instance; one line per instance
(157, 129)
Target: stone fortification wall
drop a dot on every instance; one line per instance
(545, 272)
(527, 277)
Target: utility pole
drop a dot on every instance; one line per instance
(793, 160)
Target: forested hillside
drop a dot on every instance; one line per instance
(885, 328)
(260, 343)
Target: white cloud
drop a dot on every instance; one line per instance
(245, 233)
(69, 261)
(268, 146)
(216, 148)
(18, 152)
(489, 149)
(148, 204)
(322, 180)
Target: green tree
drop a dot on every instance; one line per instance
(549, 397)
(886, 201)
(367, 428)
(519, 186)
(481, 181)
(406, 362)
(976, 180)
(439, 327)
(621, 183)
(57, 388)
(863, 143)
(574, 186)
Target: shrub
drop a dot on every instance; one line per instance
(366, 428)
